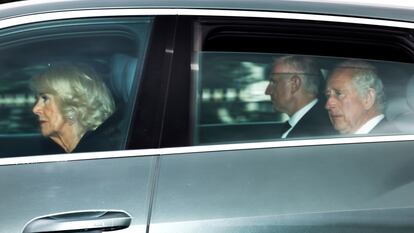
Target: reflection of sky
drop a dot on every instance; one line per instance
(256, 72)
(254, 92)
(233, 91)
(252, 89)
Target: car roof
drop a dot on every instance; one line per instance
(396, 10)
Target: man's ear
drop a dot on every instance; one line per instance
(296, 83)
(369, 99)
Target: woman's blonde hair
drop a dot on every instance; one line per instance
(81, 94)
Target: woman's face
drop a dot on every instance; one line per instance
(49, 116)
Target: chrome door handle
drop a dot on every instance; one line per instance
(83, 221)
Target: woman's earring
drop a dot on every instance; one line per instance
(71, 120)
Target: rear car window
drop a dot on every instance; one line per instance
(241, 93)
(233, 104)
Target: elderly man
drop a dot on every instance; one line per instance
(355, 99)
(293, 89)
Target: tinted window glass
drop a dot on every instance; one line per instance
(240, 95)
(245, 97)
(112, 49)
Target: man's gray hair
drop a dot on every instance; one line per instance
(364, 77)
(306, 68)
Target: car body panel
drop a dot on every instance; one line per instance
(32, 190)
(247, 190)
(370, 9)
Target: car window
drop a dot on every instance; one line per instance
(231, 96)
(111, 48)
(234, 103)
(259, 80)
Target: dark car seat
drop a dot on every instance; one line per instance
(124, 68)
(111, 134)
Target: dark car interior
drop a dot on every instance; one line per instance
(118, 65)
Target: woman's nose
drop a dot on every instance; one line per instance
(36, 108)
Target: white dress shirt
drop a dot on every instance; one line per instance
(369, 125)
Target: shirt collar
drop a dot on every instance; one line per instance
(294, 119)
(369, 125)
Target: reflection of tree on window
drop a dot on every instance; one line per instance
(232, 89)
(16, 102)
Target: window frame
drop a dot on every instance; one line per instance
(401, 32)
(166, 141)
(153, 94)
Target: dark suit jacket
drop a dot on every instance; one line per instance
(314, 123)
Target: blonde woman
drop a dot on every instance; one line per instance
(71, 102)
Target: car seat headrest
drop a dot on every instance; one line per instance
(123, 73)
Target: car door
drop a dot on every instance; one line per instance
(44, 191)
(225, 168)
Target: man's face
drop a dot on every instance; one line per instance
(345, 107)
(279, 88)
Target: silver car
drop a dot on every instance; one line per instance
(193, 144)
